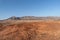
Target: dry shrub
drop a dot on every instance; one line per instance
(30, 31)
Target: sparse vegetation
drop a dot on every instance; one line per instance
(30, 31)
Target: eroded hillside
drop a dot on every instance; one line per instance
(30, 31)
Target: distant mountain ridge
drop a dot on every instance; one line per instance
(29, 19)
(33, 18)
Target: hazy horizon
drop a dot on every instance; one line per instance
(21, 8)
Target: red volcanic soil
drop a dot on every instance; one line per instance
(30, 31)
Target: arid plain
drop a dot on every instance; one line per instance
(30, 30)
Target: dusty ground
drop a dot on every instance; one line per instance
(30, 31)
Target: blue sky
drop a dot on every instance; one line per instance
(19, 8)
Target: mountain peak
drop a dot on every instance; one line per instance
(33, 18)
(14, 18)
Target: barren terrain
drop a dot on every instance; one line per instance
(42, 30)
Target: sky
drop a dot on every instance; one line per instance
(20, 8)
